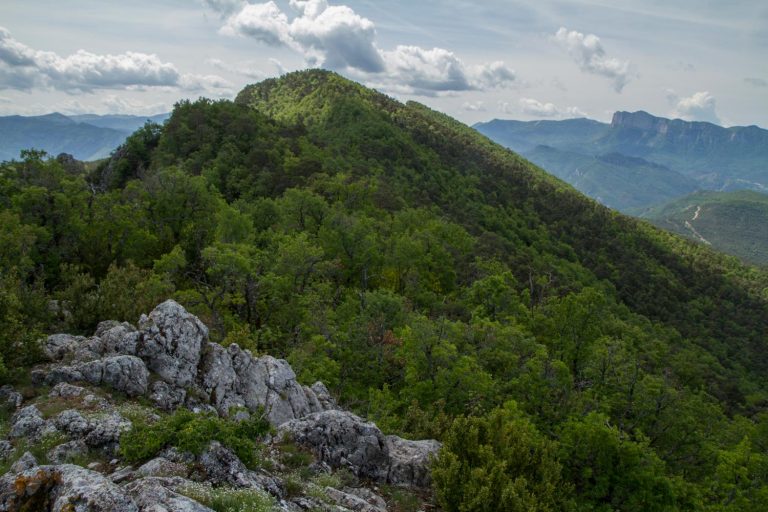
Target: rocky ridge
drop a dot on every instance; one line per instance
(168, 362)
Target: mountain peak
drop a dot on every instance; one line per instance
(641, 120)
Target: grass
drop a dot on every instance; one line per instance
(226, 499)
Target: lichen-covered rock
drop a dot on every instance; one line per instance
(24, 463)
(342, 439)
(218, 378)
(58, 347)
(166, 397)
(6, 449)
(9, 397)
(72, 423)
(27, 422)
(161, 466)
(152, 496)
(352, 501)
(118, 338)
(67, 390)
(83, 490)
(323, 396)
(127, 374)
(171, 343)
(410, 461)
(105, 431)
(220, 466)
(67, 452)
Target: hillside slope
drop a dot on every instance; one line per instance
(567, 356)
(733, 222)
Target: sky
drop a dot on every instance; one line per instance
(702, 60)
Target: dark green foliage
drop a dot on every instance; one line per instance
(428, 277)
(191, 432)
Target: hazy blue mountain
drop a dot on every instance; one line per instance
(732, 222)
(86, 137)
(677, 156)
(619, 181)
(124, 123)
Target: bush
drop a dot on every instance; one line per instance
(193, 433)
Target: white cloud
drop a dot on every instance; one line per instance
(336, 37)
(246, 69)
(535, 108)
(588, 52)
(477, 106)
(25, 68)
(699, 107)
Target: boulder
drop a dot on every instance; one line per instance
(161, 466)
(67, 452)
(24, 463)
(27, 422)
(58, 347)
(410, 461)
(171, 343)
(151, 495)
(352, 502)
(342, 439)
(10, 398)
(127, 374)
(86, 490)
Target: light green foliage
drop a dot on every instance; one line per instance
(190, 432)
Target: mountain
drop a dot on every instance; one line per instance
(566, 356)
(618, 181)
(86, 137)
(123, 123)
(708, 156)
(733, 222)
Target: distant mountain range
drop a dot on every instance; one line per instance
(86, 137)
(639, 160)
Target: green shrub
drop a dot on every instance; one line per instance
(193, 433)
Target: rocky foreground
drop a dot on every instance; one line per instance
(85, 398)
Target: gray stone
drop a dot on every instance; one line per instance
(105, 431)
(166, 397)
(67, 452)
(217, 379)
(342, 439)
(162, 467)
(24, 463)
(66, 390)
(127, 374)
(222, 467)
(6, 449)
(152, 496)
(410, 461)
(120, 338)
(122, 474)
(352, 501)
(171, 343)
(84, 490)
(9, 397)
(368, 495)
(323, 396)
(72, 423)
(27, 422)
(58, 347)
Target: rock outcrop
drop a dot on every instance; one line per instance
(170, 362)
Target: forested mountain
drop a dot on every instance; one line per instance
(86, 137)
(568, 357)
(732, 222)
(693, 155)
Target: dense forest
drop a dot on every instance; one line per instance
(569, 357)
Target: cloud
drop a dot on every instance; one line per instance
(25, 68)
(336, 37)
(535, 108)
(589, 54)
(477, 106)
(225, 7)
(699, 107)
(246, 69)
(757, 82)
